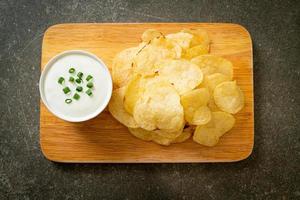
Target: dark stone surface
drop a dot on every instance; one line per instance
(271, 172)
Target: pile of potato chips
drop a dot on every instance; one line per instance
(169, 88)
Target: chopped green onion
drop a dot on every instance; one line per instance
(78, 80)
(89, 92)
(71, 79)
(80, 75)
(71, 70)
(76, 96)
(68, 101)
(61, 80)
(89, 77)
(79, 88)
(90, 85)
(66, 90)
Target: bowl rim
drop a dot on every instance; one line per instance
(47, 67)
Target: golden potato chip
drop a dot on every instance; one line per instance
(210, 84)
(181, 38)
(159, 108)
(161, 140)
(195, 98)
(170, 134)
(200, 36)
(206, 136)
(116, 108)
(178, 51)
(192, 100)
(189, 115)
(122, 67)
(150, 136)
(223, 122)
(145, 60)
(201, 63)
(211, 81)
(172, 46)
(209, 134)
(132, 93)
(210, 64)
(196, 51)
(182, 74)
(165, 138)
(202, 115)
(229, 97)
(135, 89)
(211, 104)
(158, 49)
(185, 135)
(150, 34)
(141, 133)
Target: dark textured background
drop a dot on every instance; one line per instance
(271, 172)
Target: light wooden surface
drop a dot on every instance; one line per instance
(103, 139)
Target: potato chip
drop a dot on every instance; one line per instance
(211, 81)
(122, 67)
(132, 93)
(150, 136)
(116, 108)
(223, 121)
(192, 100)
(200, 36)
(150, 34)
(210, 133)
(201, 63)
(178, 51)
(172, 46)
(229, 97)
(159, 108)
(145, 60)
(207, 136)
(211, 104)
(202, 115)
(161, 140)
(165, 138)
(185, 135)
(170, 134)
(210, 64)
(184, 75)
(158, 49)
(195, 98)
(135, 89)
(196, 51)
(141, 133)
(181, 38)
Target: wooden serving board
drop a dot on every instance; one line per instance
(105, 140)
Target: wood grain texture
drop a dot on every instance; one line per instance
(103, 139)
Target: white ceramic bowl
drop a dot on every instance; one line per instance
(86, 107)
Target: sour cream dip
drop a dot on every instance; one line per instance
(86, 107)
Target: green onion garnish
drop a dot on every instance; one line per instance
(79, 88)
(80, 75)
(89, 92)
(89, 77)
(66, 90)
(90, 85)
(71, 79)
(68, 101)
(76, 96)
(71, 70)
(78, 80)
(61, 80)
